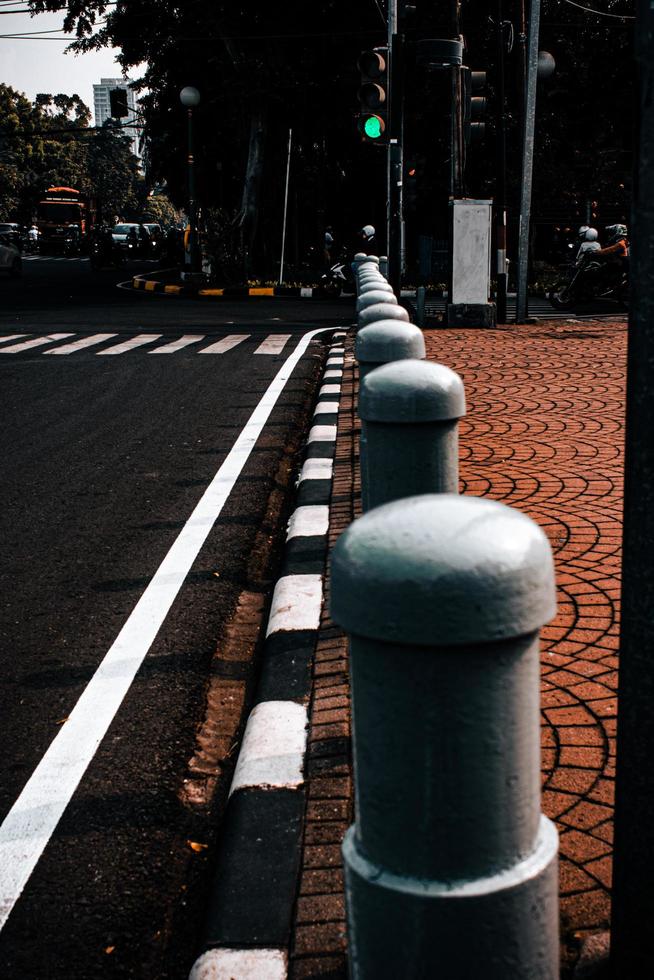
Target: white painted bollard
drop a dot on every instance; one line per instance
(387, 340)
(450, 867)
(374, 297)
(382, 311)
(409, 412)
(377, 284)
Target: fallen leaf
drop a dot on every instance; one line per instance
(62, 721)
(109, 949)
(195, 846)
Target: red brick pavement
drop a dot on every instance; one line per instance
(544, 433)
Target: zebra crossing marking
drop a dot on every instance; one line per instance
(138, 341)
(76, 345)
(232, 340)
(36, 342)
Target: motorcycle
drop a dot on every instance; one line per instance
(339, 278)
(588, 281)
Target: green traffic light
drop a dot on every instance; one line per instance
(373, 127)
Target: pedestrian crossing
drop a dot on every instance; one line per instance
(50, 344)
(55, 258)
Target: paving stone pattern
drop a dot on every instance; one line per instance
(544, 433)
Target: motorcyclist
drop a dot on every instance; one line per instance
(589, 244)
(616, 250)
(365, 239)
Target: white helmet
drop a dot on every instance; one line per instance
(581, 234)
(368, 232)
(591, 235)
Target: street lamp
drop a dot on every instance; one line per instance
(190, 97)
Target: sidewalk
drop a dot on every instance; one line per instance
(544, 433)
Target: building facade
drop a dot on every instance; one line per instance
(102, 108)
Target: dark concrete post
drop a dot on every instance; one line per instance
(450, 867)
(633, 867)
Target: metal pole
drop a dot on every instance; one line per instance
(288, 171)
(527, 160)
(633, 867)
(395, 152)
(192, 203)
(500, 187)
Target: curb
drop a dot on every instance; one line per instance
(248, 928)
(229, 292)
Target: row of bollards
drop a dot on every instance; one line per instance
(450, 867)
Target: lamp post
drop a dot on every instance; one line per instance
(190, 97)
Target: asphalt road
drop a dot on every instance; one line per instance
(105, 458)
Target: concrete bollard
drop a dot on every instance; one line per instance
(387, 340)
(409, 411)
(373, 297)
(450, 867)
(368, 285)
(382, 311)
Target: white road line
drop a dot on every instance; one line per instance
(97, 338)
(309, 521)
(317, 469)
(12, 336)
(296, 604)
(330, 390)
(332, 374)
(334, 362)
(274, 344)
(138, 341)
(188, 338)
(38, 342)
(225, 344)
(241, 964)
(322, 433)
(272, 751)
(32, 820)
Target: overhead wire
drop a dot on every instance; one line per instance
(599, 13)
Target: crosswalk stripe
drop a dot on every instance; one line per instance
(12, 336)
(138, 341)
(225, 344)
(188, 338)
(274, 344)
(97, 338)
(38, 342)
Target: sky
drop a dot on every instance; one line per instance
(34, 65)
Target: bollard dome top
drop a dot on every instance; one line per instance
(388, 340)
(382, 311)
(442, 570)
(374, 297)
(411, 391)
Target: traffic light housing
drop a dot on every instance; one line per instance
(118, 103)
(474, 105)
(374, 95)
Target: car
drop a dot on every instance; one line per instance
(130, 235)
(10, 260)
(12, 231)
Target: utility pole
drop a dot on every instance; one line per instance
(633, 861)
(395, 165)
(527, 159)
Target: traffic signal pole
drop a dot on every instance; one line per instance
(395, 163)
(527, 159)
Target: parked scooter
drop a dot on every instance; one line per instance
(338, 279)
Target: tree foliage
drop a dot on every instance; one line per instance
(48, 143)
(265, 68)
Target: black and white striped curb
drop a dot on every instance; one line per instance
(249, 922)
